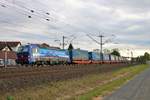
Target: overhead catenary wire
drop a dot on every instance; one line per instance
(35, 12)
(93, 39)
(31, 10)
(24, 13)
(100, 42)
(20, 24)
(28, 12)
(38, 11)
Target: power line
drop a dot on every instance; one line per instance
(47, 13)
(65, 40)
(93, 39)
(33, 12)
(29, 12)
(26, 10)
(18, 11)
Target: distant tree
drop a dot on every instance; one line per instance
(115, 52)
(147, 56)
(45, 45)
(143, 59)
(70, 48)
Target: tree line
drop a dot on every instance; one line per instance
(144, 58)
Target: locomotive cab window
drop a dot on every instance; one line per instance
(35, 50)
(23, 49)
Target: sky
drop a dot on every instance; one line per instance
(125, 23)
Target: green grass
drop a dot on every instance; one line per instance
(111, 86)
(85, 88)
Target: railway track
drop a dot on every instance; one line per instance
(34, 71)
(17, 72)
(16, 78)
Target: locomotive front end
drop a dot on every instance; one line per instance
(23, 55)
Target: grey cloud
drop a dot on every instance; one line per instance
(127, 19)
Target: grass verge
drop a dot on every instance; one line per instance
(85, 88)
(111, 86)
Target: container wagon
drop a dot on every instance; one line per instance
(80, 56)
(95, 58)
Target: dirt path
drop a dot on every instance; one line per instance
(136, 89)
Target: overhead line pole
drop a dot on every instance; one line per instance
(100, 42)
(5, 61)
(63, 44)
(101, 46)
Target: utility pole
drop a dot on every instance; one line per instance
(63, 44)
(100, 43)
(101, 46)
(5, 58)
(5, 61)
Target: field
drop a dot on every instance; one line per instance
(37, 83)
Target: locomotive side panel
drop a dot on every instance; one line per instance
(34, 54)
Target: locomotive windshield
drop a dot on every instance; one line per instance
(23, 49)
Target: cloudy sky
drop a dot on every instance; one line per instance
(125, 22)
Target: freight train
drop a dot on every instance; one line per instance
(36, 54)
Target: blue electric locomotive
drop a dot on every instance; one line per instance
(37, 54)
